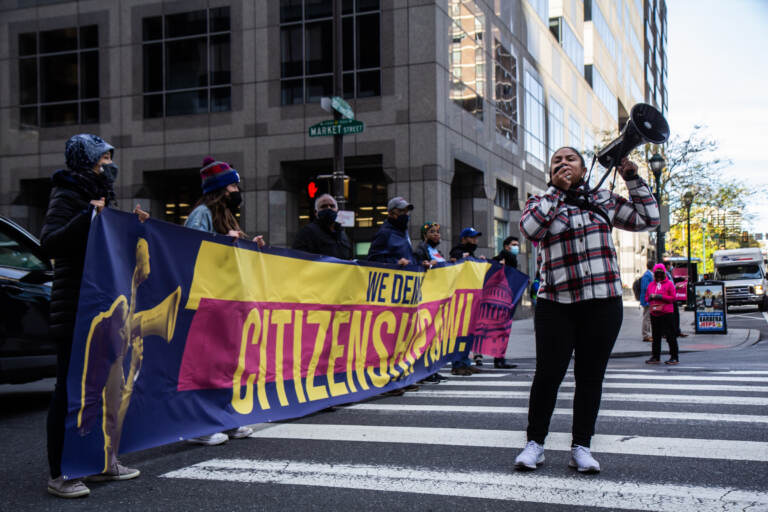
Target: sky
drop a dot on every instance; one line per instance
(718, 77)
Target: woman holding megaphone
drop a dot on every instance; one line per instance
(579, 303)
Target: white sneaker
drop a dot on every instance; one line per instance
(582, 459)
(67, 488)
(239, 432)
(115, 472)
(211, 440)
(531, 456)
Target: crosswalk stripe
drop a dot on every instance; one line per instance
(601, 443)
(620, 397)
(614, 413)
(647, 370)
(660, 376)
(624, 385)
(477, 484)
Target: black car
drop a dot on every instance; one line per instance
(26, 351)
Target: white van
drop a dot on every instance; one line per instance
(744, 274)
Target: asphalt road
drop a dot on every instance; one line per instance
(691, 437)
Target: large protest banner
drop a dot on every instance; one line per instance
(180, 333)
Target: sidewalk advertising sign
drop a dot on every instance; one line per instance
(710, 307)
(182, 333)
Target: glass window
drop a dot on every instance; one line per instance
(568, 40)
(574, 133)
(604, 94)
(534, 118)
(506, 196)
(467, 53)
(555, 125)
(542, 9)
(187, 64)
(58, 70)
(501, 230)
(306, 49)
(505, 77)
(603, 29)
(17, 254)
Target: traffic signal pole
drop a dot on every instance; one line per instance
(338, 90)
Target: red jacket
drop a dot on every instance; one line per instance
(666, 289)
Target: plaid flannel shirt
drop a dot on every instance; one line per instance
(577, 259)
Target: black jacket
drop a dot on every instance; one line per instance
(64, 238)
(510, 259)
(422, 253)
(458, 251)
(318, 239)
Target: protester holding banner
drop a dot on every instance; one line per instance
(427, 251)
(391, 244)
(79, 193)
(579, 304)
(215, 213)
(467, 244)
(510, 248)
(660, 295)
(324, 235)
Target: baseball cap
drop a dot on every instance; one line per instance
(399, 203)
(469, 232)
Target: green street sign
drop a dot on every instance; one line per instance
(339, 105)
(336, 127)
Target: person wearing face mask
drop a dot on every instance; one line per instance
(660, 296)
(324, 235)
(579, 303)
(392, 243)
(510, 250)
(215, 213)
(80, 193)
(467, 245)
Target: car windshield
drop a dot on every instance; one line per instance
(736, 272)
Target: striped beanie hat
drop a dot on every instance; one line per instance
(216, 175)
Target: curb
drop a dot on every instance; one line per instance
(752, 338)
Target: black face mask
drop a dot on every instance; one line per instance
(470, 247)
(327, 216)
(400, 222)
(433, 243)
(233, 200)
(110, 172)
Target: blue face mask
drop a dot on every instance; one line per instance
(515, 249)
(401, 222)
(327, 216)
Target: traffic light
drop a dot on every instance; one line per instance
(312, 189)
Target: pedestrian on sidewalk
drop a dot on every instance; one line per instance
(80, 192)
(660, 294)
(579, 305)
(645, 280)
(215, 212)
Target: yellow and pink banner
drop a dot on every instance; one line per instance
(181, 333)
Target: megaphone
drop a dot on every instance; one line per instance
(645, 124)
(160, 320)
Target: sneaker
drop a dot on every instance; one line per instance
(440, 378)
(116, 472)
(211, 440)
(239, 432)
(463, 371)
(531, 456)
(582, 460)
(672, 361)
(394, 392)
(503, 364)
(67, 488)
(478, 360)
(653, 360)
(412, 387)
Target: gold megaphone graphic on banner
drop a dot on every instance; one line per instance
(113, 333)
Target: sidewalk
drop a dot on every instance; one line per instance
(630, 343)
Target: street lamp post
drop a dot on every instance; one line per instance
(687, 202)
(657, 164)
(704, 222)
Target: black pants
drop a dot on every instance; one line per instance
(676, 319)
(664, 325)
(589, 328)
(57, 412)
